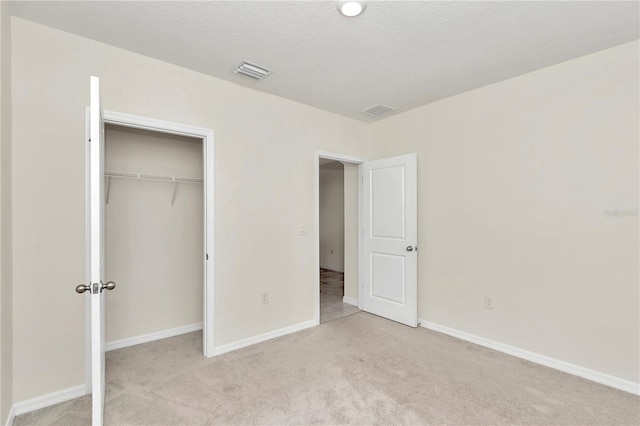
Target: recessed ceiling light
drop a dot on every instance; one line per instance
(351, 8)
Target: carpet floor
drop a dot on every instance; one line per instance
(359, 369)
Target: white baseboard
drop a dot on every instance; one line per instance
(263, 337)
(144, 338)
(47, 400)
(576, 370)
(80, 390)
(11, 417)
(350, 301)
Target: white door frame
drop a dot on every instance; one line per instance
(317, 155)
(144, 123)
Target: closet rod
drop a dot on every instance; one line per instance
(142, 176)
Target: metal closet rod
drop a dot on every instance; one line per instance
(143, 176)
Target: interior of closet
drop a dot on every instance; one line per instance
(154, 229)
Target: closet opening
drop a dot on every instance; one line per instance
(159, 201)
(154, 229)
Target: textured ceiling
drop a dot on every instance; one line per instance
(402, 54)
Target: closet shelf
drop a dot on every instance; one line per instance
(142, 176)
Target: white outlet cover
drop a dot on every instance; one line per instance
(489, 302)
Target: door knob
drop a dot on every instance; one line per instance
(103, 286)
(409, 248)
(108, 286)
(82, 288)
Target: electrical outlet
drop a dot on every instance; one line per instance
(489, 303)
(265, 298)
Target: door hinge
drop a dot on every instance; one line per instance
(206, 256)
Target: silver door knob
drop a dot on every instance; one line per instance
(108, 286)
(409, 248)
(82, 288)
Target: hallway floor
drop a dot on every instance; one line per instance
(331, 293)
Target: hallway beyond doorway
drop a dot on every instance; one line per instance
(331, 294)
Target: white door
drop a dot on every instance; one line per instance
(390, 264)
(96, 206)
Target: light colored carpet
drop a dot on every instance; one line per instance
(360, 369)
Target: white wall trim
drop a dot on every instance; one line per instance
(576, 370)
(339, 157)
(350, 301)
(47, 400)
(11, 417)
(164, 126)
(150, 337)
(263, 337)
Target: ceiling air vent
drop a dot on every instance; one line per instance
(378, 110)
(253, 71)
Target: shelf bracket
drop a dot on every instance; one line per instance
(108, 190)
(175, 190)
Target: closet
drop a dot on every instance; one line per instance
(154, 231)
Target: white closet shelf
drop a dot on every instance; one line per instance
(143, 176)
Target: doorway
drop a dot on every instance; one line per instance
(336, 299)
(386, 228)
(153, 234)
(202, 140)
(337, 237)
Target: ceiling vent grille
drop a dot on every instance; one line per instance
(253, 71)
(378, 110)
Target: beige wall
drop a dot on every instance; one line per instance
(6, 282)
(332, 216)
(515, 180)
(351, 231)
(264, 178)
(154, 250)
